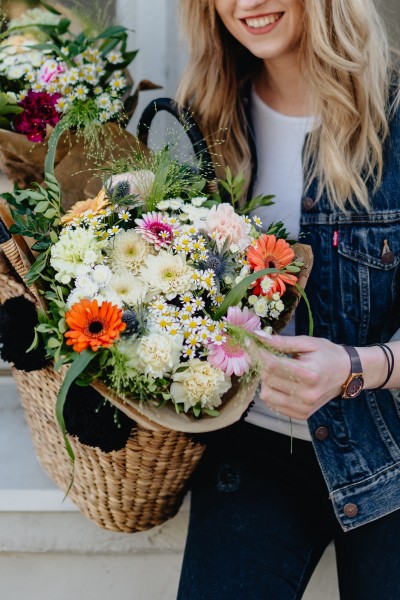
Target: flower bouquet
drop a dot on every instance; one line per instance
(156, 296)
(57, 87)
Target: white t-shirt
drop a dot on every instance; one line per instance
(279, 141)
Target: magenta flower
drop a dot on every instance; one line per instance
(230, 356)
(39, 110)
(156, 230)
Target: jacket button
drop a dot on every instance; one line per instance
(308, 203)
(350, 510)
(321, 433)
(388, 258)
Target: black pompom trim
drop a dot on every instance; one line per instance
(94, 421)
(18, 319)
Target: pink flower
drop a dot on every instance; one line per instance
(244, 318)
(39, 110)
(230, 356)
(156, 230)
(50, 70)
(225, 226)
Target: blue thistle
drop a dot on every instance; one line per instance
(131, 320)
(120, 190)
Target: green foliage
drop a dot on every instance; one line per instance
(37, 214)
(8, 110)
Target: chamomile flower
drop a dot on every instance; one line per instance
(114, 57)
(81, 92)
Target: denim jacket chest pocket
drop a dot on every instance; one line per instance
(368, 264)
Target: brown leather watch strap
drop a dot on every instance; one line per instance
(355, 361)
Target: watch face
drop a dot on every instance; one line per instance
(354, 387)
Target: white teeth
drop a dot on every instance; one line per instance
(263, 21)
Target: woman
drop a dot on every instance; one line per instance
(309, 85)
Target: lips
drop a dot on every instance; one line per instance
(262, 23)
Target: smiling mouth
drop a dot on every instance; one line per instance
(264, 21)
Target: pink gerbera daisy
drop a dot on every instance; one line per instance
(244, 318)
(156, 230)
(230, 356)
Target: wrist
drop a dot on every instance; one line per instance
(374, 366)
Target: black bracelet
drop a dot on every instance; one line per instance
(390, 363)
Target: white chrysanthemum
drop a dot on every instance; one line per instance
(266, 284)
(129, 289)
(129, 251)
(75, 296)
(68, 254)
(101, 274)
(86, 284)
(261, 307)
(199, 383)
(199, 200)
(168, 274)
(195, 213)
(155, 354)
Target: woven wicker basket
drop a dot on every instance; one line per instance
(130, 490)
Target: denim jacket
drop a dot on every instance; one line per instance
(354, 295)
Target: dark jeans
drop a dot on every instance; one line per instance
(261, 519)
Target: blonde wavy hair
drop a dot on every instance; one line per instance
(345, 57)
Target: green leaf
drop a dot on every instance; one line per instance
(50, 47)
(53, 236)
(51, 213)
(256, 202)
(310, 317)
(41, 207)
(77, 367)
(116, 30)
(50, 8)
(39, 246)
(238, 292)
(34, 343)
(52, 147)
(292, 269)
(211, 413)
(53, 342)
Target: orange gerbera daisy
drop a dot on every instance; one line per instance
(93, 326)
(94, 205)
(270, 253)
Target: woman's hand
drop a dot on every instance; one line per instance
(297, 387)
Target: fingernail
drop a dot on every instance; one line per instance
(264, 334)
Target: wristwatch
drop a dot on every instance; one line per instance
(354, 384)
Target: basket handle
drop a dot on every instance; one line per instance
(192, 130)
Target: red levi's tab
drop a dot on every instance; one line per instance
(335, 239)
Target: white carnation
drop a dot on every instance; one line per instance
(200, 384)
(155, 354)
(68, 254)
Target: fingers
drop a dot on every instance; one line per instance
(291, 344)
(289, 404)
